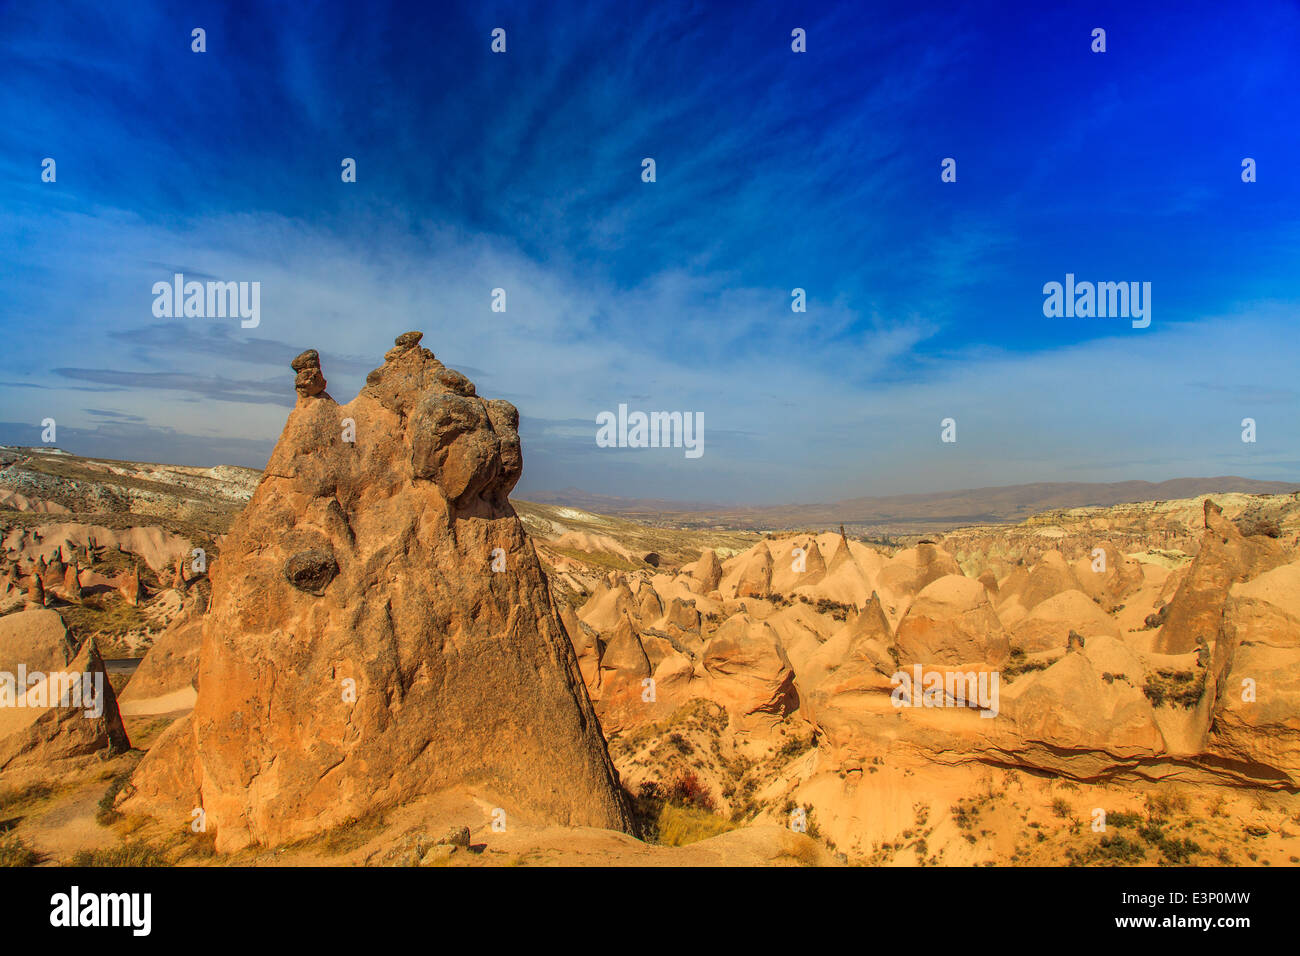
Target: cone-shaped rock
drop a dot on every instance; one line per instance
(869, 624)
(625, 653)
(131, 587)
(863, 641)
(360, 649)
(70, 713)
(35, 591)
(708, 571)
(749, 671)
(72, 582)
(55, 569)
(815, 564)
(756, 573)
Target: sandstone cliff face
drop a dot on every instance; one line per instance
(380, 628)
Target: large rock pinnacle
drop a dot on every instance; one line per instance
(360, 649)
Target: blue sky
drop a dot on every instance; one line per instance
(775, 170)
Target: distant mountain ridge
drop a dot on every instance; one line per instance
(931, 510)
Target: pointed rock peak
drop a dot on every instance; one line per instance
(406, 345)
(842, 555)
(815, 560)
(871, 621)
(756, 574)
(1217, 523)
(72, 583)
(366, 554)
(1053, 559)
(708, 570)
(36, 591)
(600, 590)
(310, 382)
(625, 652)
(1212, 511)
(626, 628)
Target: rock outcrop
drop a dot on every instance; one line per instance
(360, 649)
(755, 574)
(1226, 558)
(68, 708)
(1255, 677)
(1051, 622)
(912, 570)
(1084, 716)
(36, 639)
(952, 623)
(748, 670)
(707, 571)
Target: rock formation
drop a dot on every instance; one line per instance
(1085, 715)
(72, 582)
(360, 650)
(36, 639)
(1046, 626)
(35, 591)
(952, 623)
(708, 571)
(1226, 558)
(54, 571)
(912, 569)
(749, 671)
(755, 574)
(70, 712)
(130, 587)
(310, 381)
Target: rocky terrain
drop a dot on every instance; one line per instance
(913, 514)
(368, 654)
